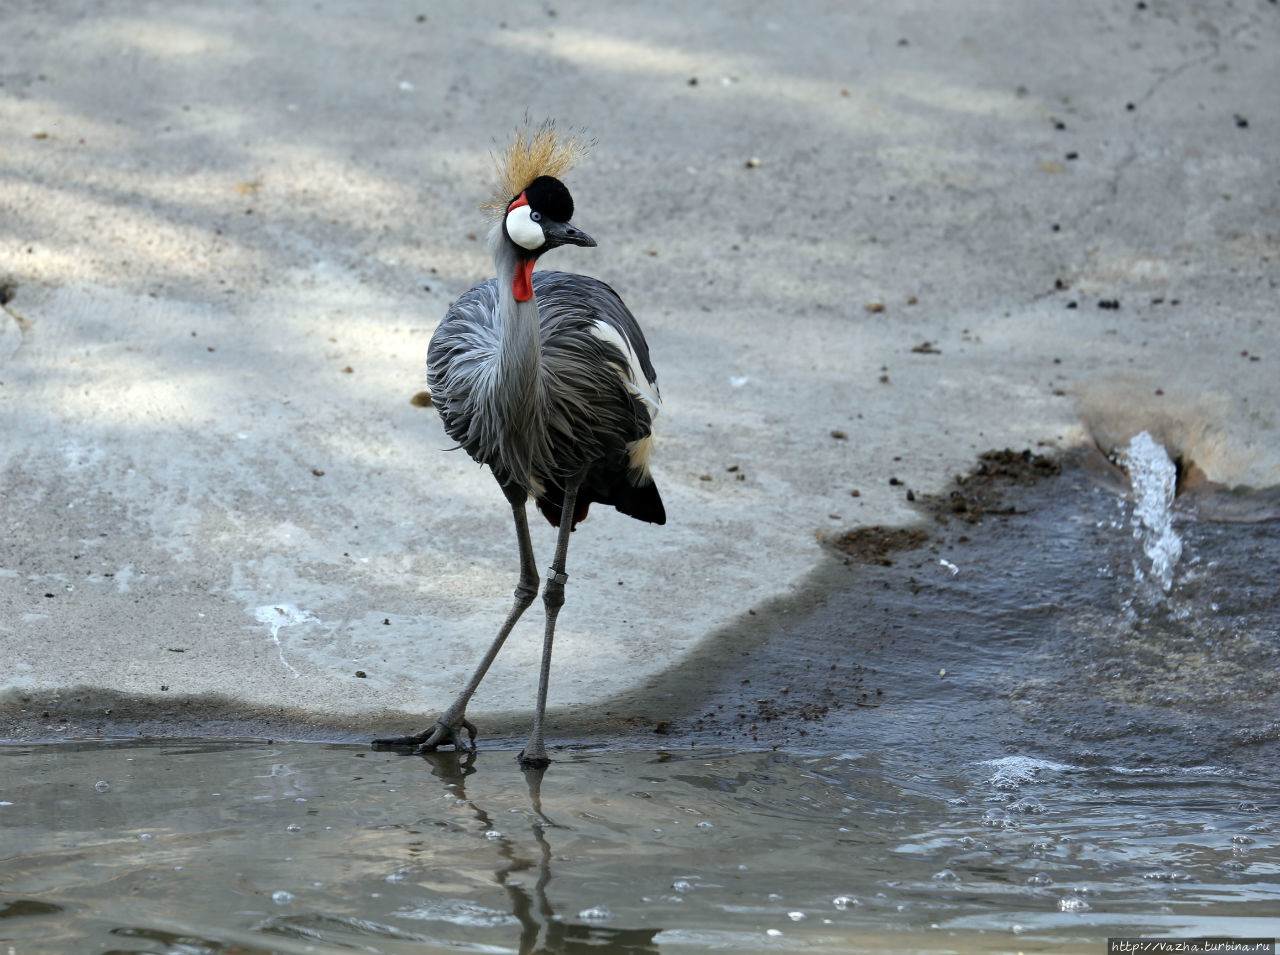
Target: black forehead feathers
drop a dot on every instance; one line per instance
(548, 195)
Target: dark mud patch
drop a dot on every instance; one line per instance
(969, 498)
(986, 490)
(873, 545)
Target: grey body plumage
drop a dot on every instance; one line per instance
(576, 413)
(544, 377)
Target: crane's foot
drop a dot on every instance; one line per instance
(429, 740)
(533, 756)
(533, 762)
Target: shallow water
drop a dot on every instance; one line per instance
(218, 847)
(1010, 738)
(1040, 630)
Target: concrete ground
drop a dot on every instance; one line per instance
(866, 241)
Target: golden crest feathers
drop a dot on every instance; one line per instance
(544, 152)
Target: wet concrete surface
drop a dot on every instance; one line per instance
(1008, 619)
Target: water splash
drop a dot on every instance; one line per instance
(1154, 479)
(1013, 772)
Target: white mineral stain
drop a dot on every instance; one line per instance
(282, 615)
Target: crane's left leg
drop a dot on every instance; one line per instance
(534, 755)
(449, 727)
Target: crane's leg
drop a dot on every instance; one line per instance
(450, 723)
(534, 755)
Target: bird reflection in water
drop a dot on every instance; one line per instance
(541, 929)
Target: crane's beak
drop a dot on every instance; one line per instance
(562, 233)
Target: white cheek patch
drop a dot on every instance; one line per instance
(523, 230)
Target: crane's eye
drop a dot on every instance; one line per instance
(535, 215)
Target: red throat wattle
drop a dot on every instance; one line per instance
(522, 284)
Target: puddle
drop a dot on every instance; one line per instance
(1022, 615)
(1008, 729)
(302, 847)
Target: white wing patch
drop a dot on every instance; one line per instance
(631, 375)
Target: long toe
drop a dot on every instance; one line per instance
(448, 734)
(429, 740)
(400, 742)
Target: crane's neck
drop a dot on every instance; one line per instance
(521, 349)
(516, 383)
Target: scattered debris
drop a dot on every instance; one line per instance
(981, 493)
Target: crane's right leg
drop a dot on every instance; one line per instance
(448, 727)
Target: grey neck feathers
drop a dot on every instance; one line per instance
(516, 385)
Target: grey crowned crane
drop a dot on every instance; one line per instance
(545, 377)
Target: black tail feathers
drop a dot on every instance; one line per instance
(644, 503)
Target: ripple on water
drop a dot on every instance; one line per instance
(914, 846)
